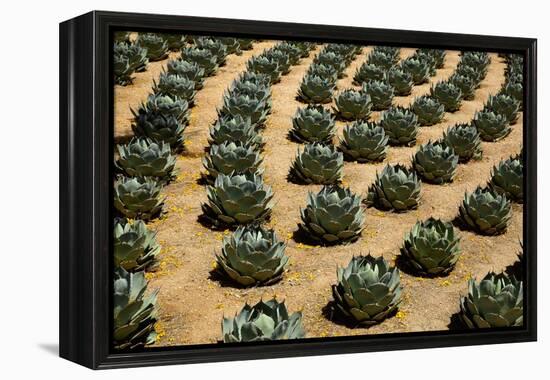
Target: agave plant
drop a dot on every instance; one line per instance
(143, 157)
(263, 322)
(256, 78)
(431, 247)
(304, 47)
(236, 129)
(175, 41)
(428, 110)
(497, 301)
(390, 51)
(476, 59)
(438, 56)
(486, 211)
(507, 178)
(315, 89)
(265, 65)
(156, 45)
(231, 157)
(292, 51)
(323, 71)
(138, 198)
(137, 56)
(381, 59)
(447, 94)
(397, 188)
(491, 126)
(466, 85)
(380, 92)
(282, 59)
(166, 105)
(246, 106)
(135, 246)
(122, 37)
(317, 163)
(506, 105)
(401, 126)
(368, 290)
(331, 59)
(134, 313)
(313, 123)
(246, 43)
(401, 81)
(364, 142)
(176, 85)
(188, 69)
(474, 74)
(258, 91)
(232, 45)
(159, 127)
(418, 69)
(428, 59)
(436, 162)
(353, 105)
(238, 199)
(465, 141)
(202, 57)
(515, 90)
(368, 72)
(333, 216)
(214, 46)
(122, 70)
(252, 255)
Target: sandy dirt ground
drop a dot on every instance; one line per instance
(192, 303)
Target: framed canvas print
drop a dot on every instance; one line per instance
(237, 189)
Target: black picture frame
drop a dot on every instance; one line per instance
(86, 143)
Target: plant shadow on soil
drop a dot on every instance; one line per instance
(330, 312)
(224, 282)
(455, 323)
(404, 266)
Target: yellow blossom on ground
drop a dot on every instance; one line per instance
(401, 314)
(445, 283)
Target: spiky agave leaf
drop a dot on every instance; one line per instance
(436, 162)
(364, 142)
(313, 123)
(134, 312)
(431, 247)
(122, 70)
(138, 198)
(368, 290)
(238, 200)
(496, 301)
(263, 321)
(486, 211)
(252, 255)
(317, 163)
(333, 216)
(428, 110)
(396, 188)
(507, 178)
(135, 246)
(465, 141)
(401, 126)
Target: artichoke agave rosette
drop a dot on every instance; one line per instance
(431, 247)
(135, 246)
(231, 158)
(353, 105)
(436, 162)
(252, 255)
(368, 290)
(364, 142)
(143, 157)
(263, 321)
(333, 216)
(492, 127)
(138, 198)
(401, 126)
(238, 200)
(381, 94)
(507, 178)
(496, 301)
(313, 123)
(317, 163)
(316, 89)
(485, 211)
(134, 313)
(465, 141)
(396, 188)
(428, 110)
